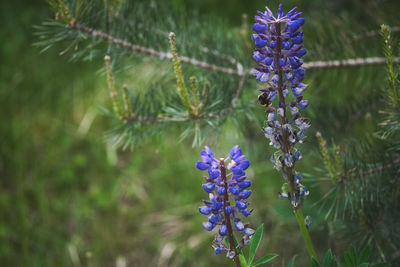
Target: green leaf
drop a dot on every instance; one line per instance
(364, 255)
(315, 263)
(291, 262)
(255, 241)
(350, 257)
(329, 260)
(365, 264)
(243, 261)
(264, 259)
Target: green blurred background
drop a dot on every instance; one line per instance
(68, 198)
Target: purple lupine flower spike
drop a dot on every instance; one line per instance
(279, 51)
(228, 190)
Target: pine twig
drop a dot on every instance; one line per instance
(231, 60)
(353, 174)
(239, 71)
(76, 25)
(353, 62)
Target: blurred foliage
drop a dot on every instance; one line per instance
(70, 198)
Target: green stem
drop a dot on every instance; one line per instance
(300, 220)
(286, 148)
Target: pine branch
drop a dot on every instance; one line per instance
(353, 62)
(203, 49)
(352, 174)
(76, 25)
(239, 71)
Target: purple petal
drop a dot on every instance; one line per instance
(301, 52)
(214, 218)
(233, 151)
(205, 210)
(259, 28)
(213, 173)
(202, 165)
(208, 226)
(209, 151)
(223, 230)
(258, 56)
(303, 104)
(228, 209)
(245, 194)
(234, 190)
(237, 171)
(248, 231)
(296, 24)
(241, 204)
(260, 42)
(244, 164)
(239, 226)
(268, 60)
(208, 187)
(221, 190)
(244, 184)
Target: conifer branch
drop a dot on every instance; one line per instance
(239, 71)
(352, 62)
(352, 174)
(203, 49)
(76, 25)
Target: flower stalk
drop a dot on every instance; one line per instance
(279, 50)
(226, 204)
(288, 171)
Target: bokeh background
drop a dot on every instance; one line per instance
(69, 198)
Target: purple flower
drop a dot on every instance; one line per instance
(245, 194)
(248, 231)
(260, 28)
(244, 184)
(227, 186)
(208, 226)
(258, 56)
(239, 226)
(303, 104)
(208, 187)
(279, 50)
(205, 210)
(294, 25)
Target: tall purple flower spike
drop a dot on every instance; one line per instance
(279, 50)
(228, 191)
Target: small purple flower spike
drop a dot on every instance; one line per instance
(228, 190)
